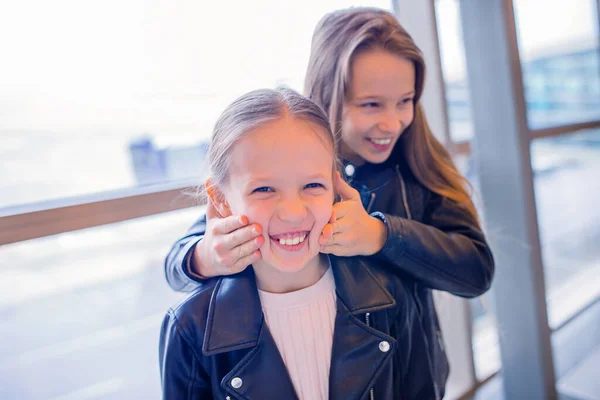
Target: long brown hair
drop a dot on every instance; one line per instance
(338, 37)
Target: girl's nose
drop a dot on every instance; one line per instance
(292, 210)
(390, 122)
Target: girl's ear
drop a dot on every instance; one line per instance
(217, 199)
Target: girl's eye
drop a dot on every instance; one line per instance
(370, 104)
(264, 189)
(407, 100)
(313, 185)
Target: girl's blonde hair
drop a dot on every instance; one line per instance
(252, 110)
(337, 39)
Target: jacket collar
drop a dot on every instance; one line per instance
(235, 315)
(363, 172)
(357, 288)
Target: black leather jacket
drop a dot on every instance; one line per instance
(216, 343)
(429, 239)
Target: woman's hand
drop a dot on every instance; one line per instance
(229, 245)
(351, 230)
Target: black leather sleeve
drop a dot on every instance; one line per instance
(176, 262)
(447, 251)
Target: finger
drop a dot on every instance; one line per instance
(223, 226)
(243, 263)
(333, 217)
(344, 208)
(345, 191)
(340, 226)
(336, 250)
(340, 239)
(338, 210)
(242, 235)
(247, 248)
(326, 234)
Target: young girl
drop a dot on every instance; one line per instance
(408, 205)
(298, 324)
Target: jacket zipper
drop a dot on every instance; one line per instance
(368, 322)
(420, 309)
(404, 197)
(371, 201)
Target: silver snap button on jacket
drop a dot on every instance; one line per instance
(349, 169)
(384, 346)
(236, 383)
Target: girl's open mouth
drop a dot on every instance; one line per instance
(380, 144)
(290, 241)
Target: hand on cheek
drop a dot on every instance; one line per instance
(230, 243)
(351, 231)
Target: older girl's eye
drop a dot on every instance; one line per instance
(406, 100)
(263, 189)
(370, 104)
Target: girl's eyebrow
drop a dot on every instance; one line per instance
(316, 176)
(370, 96)
(256, 181)
(265, 180)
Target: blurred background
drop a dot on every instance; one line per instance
(106, 109)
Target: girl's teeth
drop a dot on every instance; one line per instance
(382, 141)
(292, 242)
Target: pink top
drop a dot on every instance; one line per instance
(301, 323)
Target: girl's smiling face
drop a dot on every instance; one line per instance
(281, 177)
(379, 105)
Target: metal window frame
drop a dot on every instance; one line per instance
(464, 147)
(502, 152)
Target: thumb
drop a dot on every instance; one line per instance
(345, 191)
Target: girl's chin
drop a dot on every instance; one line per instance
(292, 262)
(287, 265)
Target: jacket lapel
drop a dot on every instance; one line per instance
(262, 372)
(235, 322)
(359, 351)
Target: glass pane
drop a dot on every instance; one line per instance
(567, 199)
(485, 340)
(565, 169)
(486, 344)
(81, 311)
(452, 54)
(560, 60)
(98, 96)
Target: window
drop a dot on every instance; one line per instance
(567, 190)
(452, 54)
(559, 59)
(99, 96)
(81, 311)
